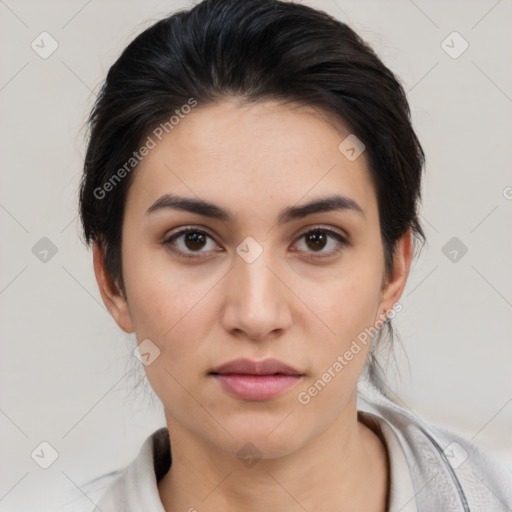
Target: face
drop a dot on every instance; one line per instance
(265, 277)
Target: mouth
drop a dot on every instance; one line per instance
(256, 380)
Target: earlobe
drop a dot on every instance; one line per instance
(112, 297)
(395, 284)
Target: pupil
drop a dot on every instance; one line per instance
(318, 240)
(195, 238)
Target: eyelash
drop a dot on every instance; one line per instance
(342, 242)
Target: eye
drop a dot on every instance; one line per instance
(318, 239)
(193, 243)
(189, 239)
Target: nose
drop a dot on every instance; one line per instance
(257, 299)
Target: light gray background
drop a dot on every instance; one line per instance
(66, 368)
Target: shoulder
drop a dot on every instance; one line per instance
(136, 487)
(133, 487)
(448, 471)
(86, 496)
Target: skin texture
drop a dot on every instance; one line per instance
(209, 309)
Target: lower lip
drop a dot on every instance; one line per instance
(256, 387)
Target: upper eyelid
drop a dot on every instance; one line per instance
(183, 230)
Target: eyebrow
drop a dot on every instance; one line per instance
(207, 209)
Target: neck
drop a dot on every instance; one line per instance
(344, 468)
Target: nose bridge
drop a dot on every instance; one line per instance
(257, 282)
(256, 298)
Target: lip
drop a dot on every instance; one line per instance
(256, 380)
(249, 367)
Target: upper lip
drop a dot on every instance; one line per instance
(249, 367)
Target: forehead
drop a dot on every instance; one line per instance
(253, 154)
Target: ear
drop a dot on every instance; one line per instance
(113, 298)
(395, 283)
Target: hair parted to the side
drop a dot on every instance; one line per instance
(253, 50)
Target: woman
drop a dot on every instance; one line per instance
(250, 190)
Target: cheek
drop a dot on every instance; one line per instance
(360, 300)
(347, 305)
(168, 304)
(173, 314)
(167, 309)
